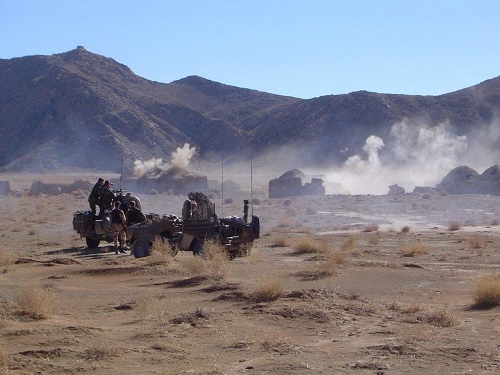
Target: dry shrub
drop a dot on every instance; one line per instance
(405, 229)
(161, 247)
(216, 259)
(228, 200)
(196, 318)
(149, 307)
(308, 245)
(6, 260)
(279, 345)
(495, 222)
(256, 201)
(414, 250)
(268, 289)
(404, 308)
(332, 259)
(100, 351)
(441, 318)
(287, 223)
(280, 242)
(454, 225)
(4, 359)
(476, 242)
(37, 302)
(287, 202)
(370, 228)
(487, 291)
(213, 263)
(349, 244)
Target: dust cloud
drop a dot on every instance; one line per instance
(415, 155)
(181, 157)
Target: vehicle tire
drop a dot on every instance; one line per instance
(92, 243)
(197, 246)
(141, 249)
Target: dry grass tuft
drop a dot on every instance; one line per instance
(280, 242)
(374, 238)
(162, 249)
(441, 318)
(327, 266)
(349, 244)
(149, 307)
(268, 289)
(454, 226)
(476, 242)
(309, 245)
(6, 260)
(487, 292)
(100, 352)
(196, 318)
(37, 302)
(414, 250)
(4, 359)
(404, 308)
(213, 264)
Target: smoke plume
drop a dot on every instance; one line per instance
(182, 156)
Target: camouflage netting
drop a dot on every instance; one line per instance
(206, 209)
(150, 229)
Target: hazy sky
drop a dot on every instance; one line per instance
(302, 48)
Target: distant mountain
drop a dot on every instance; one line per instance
(80, 109)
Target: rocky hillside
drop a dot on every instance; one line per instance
(85, 110)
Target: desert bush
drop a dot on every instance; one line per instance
(495, 222)
(256, 201)
(441, 318)
(287, 202)
(332, 259)
(193, 265)
(308, 244)
(216, 259)
(162, 247)
(268, 289)
(153, 192)
(280, 241)
(414, 250)
(100, 351)
(6, 260)
(405, 229)
(487, 291)
(454, 225)
(228, 200)
(287, 223)
(404, 308)
(37, 302)
(213, 196)
(374, 238)
(349, 244)
(476, 242)
(149, 307)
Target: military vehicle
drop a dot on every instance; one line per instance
(93, 230)
(198, 224)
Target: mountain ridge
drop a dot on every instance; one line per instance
(81, 109)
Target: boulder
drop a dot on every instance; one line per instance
(465, 180)
(396, 190)
(289, 184)
(39, 187)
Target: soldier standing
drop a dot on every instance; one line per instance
(106, 199)
(95, 195)
(119, 225)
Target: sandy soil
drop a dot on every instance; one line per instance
(395, 300)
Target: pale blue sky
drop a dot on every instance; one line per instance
(302, 48)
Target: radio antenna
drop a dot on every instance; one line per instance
(251, 177)
(222, 184)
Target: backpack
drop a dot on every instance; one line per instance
(115, 216)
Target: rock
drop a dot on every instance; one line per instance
(39, 187)
(289, 184)
(396, 190)
(424, 190)
(465, 180)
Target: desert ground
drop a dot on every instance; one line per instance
(336, 284)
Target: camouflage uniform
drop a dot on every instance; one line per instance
(134, 215)
(118, 224)
(106, 199)
(95, 195)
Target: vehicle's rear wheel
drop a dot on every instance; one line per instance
(92, 243)
(141, 249)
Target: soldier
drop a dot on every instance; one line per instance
(119, 225)
(107, 198)
(134, 214)
(95, 195)
(128, 198)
